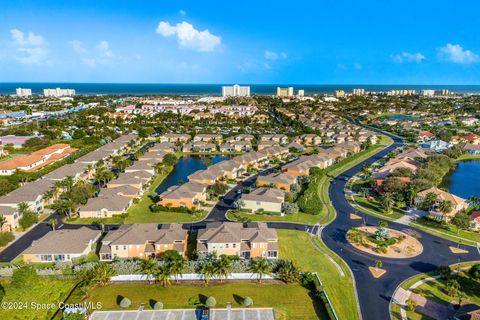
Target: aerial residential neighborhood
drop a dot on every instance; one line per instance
(251, 161)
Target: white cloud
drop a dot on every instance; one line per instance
(77, 46)
(456, 54)
(183, 13)
(30, 39)
(33, 55)
(272, 55)
(30, 45)
(104, 48)
(91, 57)
(408, 57)
(189, 37)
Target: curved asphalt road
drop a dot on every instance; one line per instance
(374, 294)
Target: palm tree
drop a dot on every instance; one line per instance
(102, 273)
(65, 207)
(445, 207)
(261, 267)
(52, 223)
(103, 175)
(287, 271)
(387, 203)
(163, 274)
(207, 270)
(3, 221)
(48, 195)
(68, 183)
(23, 207)
(177, 267)
(430, 200)
(223, 267)
(411, 193)
(149, 268)
(158, 167)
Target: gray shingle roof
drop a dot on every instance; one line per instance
(63, 241)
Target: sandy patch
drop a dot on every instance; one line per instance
(354, 216)
(406, 246)
(377, 272)
(457, 250)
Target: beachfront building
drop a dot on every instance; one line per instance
(145, 240)
(58, 92)
(235, 91)
(23, 92)
(285, 92)
(358, 92)
(248, 241)
(62, 245)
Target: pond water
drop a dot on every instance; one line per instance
(185, 166)
(399, 117)
(464, 181)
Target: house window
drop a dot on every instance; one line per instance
(226, 245)
(116, 247)
(234, 245)
(124, 247)
(59, 257)
(259, 203)
(271, 254)
(45, 257)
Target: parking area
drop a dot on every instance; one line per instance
(187, 314)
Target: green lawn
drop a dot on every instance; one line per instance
(289, 301)
(373, 207)
(328, 212)
(448, 232)
(297, 246)
(295, 217)
(468, 157)
(434, 290)
(44, 291)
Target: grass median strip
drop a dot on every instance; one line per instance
(296, 246)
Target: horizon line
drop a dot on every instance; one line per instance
(239, 83)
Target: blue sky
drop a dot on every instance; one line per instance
(317, 42)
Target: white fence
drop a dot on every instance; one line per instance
(190, 277)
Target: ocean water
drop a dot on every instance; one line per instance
(213, 89)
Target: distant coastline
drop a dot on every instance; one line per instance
(212, 89)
